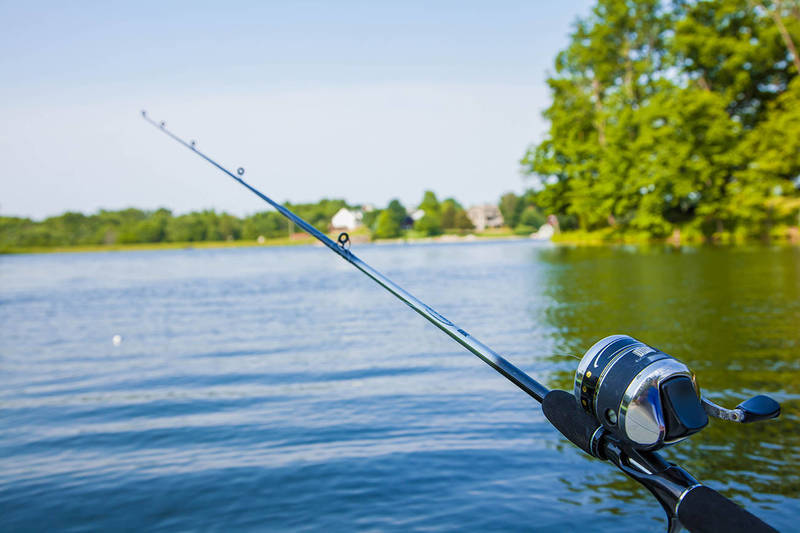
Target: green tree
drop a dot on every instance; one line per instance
(387, 226)
(660, 111)
(765, 190)
(186, 228)
(267, 224)
(448, 218)
(532, 217)
(462, 221)
(511, 207)
(397, 211)
(429, 203)
(429, 225)
(453, 216)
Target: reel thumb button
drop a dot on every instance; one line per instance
(683, 413)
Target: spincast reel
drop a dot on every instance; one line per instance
(648, 398)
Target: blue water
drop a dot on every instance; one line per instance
(279, 389)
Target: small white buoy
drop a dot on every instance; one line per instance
(116, 340)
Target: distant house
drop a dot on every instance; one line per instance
(346, 219)
(418, 214)
(485, 216)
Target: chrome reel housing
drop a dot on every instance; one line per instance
(644, 396)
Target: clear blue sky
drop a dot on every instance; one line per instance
(366, 101)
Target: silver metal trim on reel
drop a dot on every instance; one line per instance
(640, 412)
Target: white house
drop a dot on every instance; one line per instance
(485, 216)
(347, 219)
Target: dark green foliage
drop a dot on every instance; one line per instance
(452, 216)
(370, 219)
(511, 207)
(532, 217)
(429, 203)
(267, 224)
(671, 115)
(319, 214)
(130, 226)
(462, 221)
(137, 226)
(387, 226)
(429, 225)
(448, 218)
(398, 211)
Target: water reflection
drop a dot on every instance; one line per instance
(279, 389)
(731, 314)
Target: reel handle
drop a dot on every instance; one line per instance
(755, 409)
(704, 510)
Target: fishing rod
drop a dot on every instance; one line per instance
(629, 399)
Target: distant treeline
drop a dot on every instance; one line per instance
(676, 115)
(138, 226)
(130, 226)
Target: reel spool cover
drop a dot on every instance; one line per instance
(641, 394)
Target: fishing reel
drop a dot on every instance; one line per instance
(649, 399)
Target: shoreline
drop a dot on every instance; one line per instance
(297, 240)
(569, 238)
(785, 235)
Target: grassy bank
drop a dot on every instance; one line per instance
(781, 234)
(157, 246)
(297, 239)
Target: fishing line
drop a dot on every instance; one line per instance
(522, 380)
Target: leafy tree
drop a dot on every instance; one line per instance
(387, 226)
(453, 216)
(397, 211)
(764, 192)
(267, 224)
(462, 221)
(318, 215)
(429, 203)
(532, 217)
(733, 49)
(430, 225)
(186, 228)
(660, 113)
(511, 207)
(370, 218)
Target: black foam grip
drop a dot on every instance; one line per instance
(704, 510)
(563, 411)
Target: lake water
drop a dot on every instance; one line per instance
(279, 389)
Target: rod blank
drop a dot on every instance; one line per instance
(522, 380)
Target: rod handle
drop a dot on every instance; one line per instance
(563, 411)
(704, 510)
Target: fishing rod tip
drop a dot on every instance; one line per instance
(144, 113)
